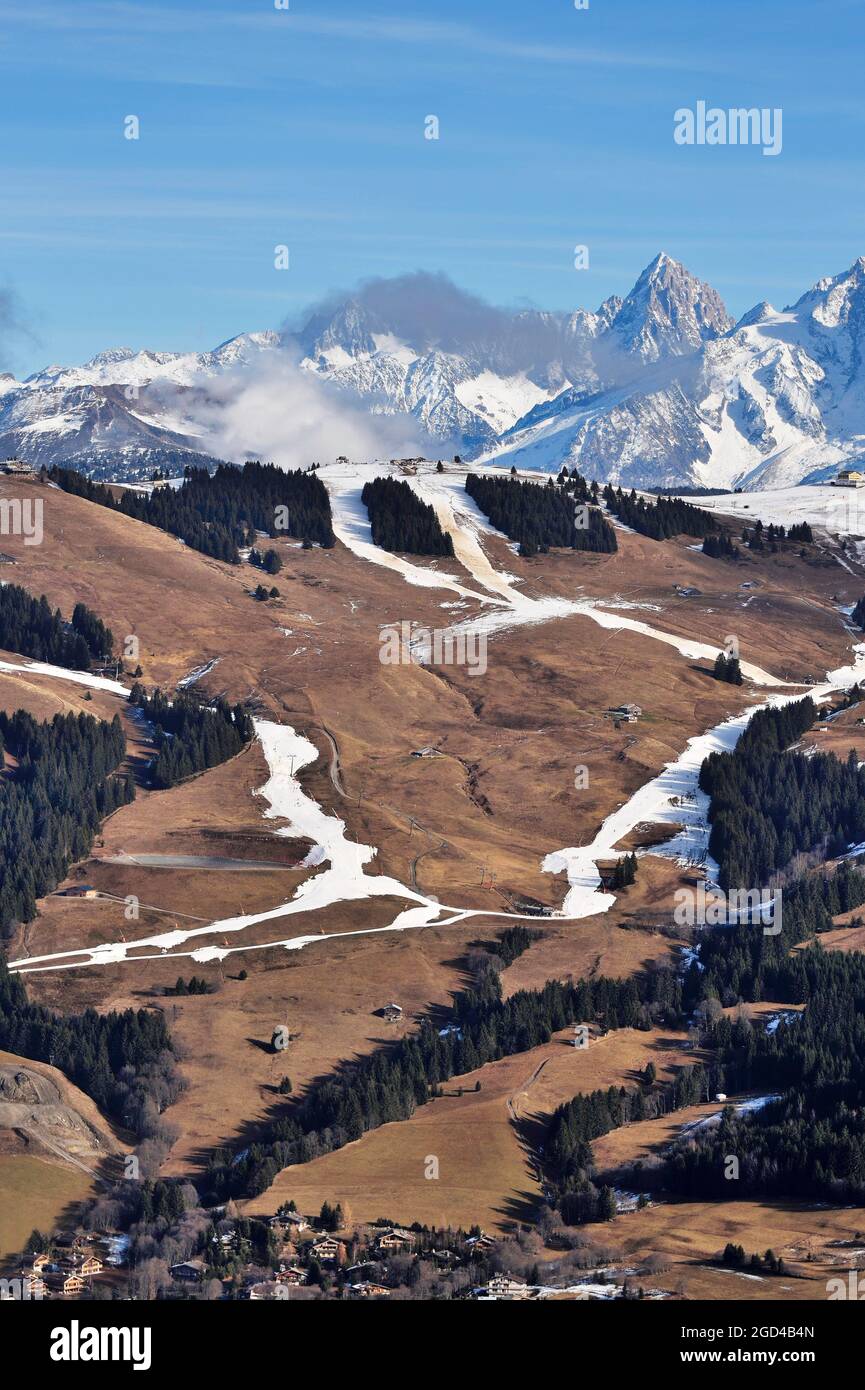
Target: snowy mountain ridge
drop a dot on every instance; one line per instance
(776, 400)
(659, 388)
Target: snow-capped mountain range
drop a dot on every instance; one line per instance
(660, 388)
(774, 400)
(122, 412)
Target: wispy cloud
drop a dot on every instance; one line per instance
(119, 19)
(277, 411)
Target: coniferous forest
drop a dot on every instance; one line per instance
(772, 538)
(32, 628)
(741, 963)
(810, 1141)
(809, 1138)
(64, 782)
(579, 487)
(218, 513)
(399, 520)
(727, 669)
(720, 548)
(661, 519)
(539, 517)
(123, 1060)
(768, 805)
(190, 734)
(568, 1157)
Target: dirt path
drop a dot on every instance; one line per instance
(524, 1090)
(334, 769)
(39, 1137)
(433, 849)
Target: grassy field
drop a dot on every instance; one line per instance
(485, 1173)
(37, 1194)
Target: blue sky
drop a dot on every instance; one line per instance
(305, 127)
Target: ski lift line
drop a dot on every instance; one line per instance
(150, 907)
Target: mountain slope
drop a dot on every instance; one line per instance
(131, 411)
(776, 400)
(658, 389)
(471, 384)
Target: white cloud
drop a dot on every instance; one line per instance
(280, 413)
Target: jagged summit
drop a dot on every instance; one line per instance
(669, 312)
(774, 400)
